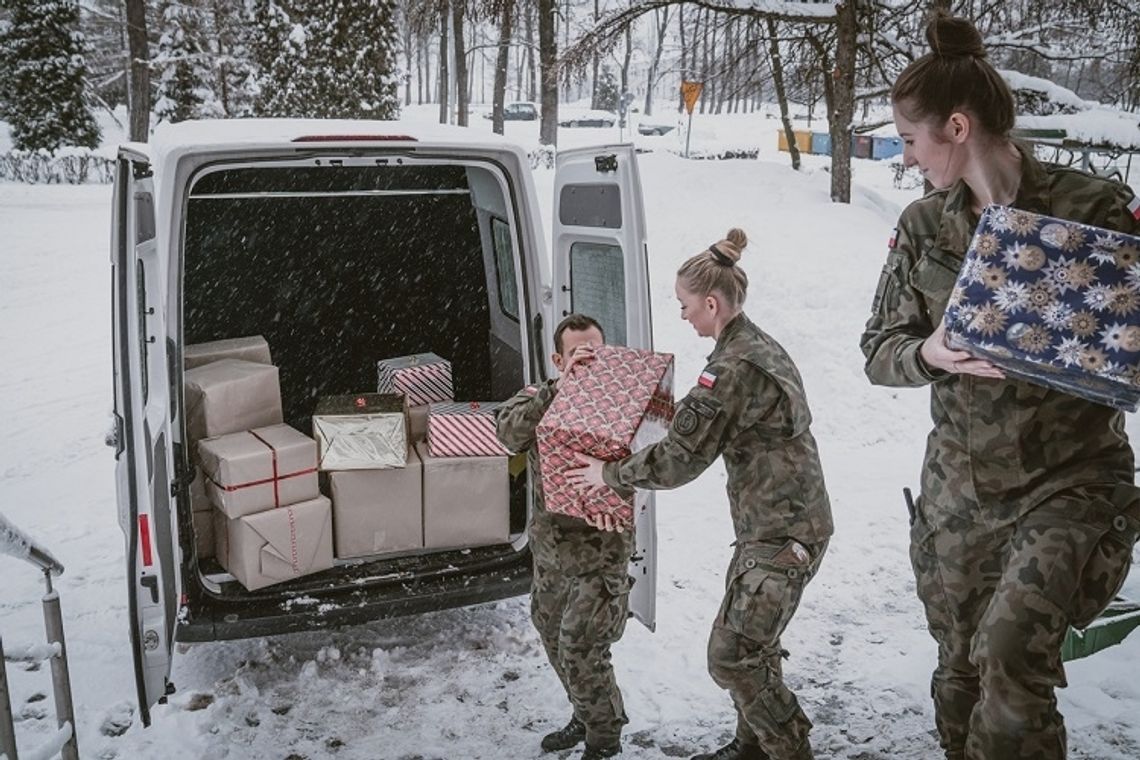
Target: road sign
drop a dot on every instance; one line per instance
(690, 91)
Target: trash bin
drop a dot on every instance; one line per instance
(802, 137)
(821, 143)
(886, 147)
(861, 146)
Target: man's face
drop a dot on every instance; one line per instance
(571, 339)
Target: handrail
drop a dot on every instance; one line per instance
(15, 543)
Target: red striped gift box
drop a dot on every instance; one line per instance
(463, 429)
(422, 378)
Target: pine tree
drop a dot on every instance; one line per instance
(183, 64)
(607, 94)
(233, 69)
(278, 45)
(44, 76)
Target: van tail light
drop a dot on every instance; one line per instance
(354, 138)
(144, 540)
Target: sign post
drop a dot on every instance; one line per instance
(690, 91)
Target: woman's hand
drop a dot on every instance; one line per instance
(937, 354)
(589, 478)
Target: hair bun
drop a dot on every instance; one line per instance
(738, 239)
(954, 37)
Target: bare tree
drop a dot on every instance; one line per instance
(444, 76)
(505, 12)
(139, 89)
(548, 62)
(458, 10)
(661, 19)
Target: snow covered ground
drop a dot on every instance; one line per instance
(474, 683)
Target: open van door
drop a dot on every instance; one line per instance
(141, 434)
(601, 269)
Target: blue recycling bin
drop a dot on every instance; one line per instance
(821, 143)
(886, 147)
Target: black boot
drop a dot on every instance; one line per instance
(735, 750)
(598, 751)
(570, 735)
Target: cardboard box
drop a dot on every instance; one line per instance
(259, 469)
(466, 500)
(418, 422)
(615, 405)
(230, 395)
(1051, 302)
(368, 431)
(377, 511)
(204, 534)
(277, 545)
(463, 429)
(422, 378)
(199, 499)
(251, 349)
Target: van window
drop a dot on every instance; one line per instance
(140, 285)
(505, 268)
(597, 286)
(591, 205)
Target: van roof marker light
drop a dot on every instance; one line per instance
(354, 138)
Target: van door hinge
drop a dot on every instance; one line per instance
(114, 437)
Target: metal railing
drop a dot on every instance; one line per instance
(64, 742)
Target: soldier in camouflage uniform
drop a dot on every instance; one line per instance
(580, 591)
(749, 407)
(1028, 514)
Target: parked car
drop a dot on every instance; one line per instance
(590, 119)
(647, 128)
(521, 110)
(343, 242)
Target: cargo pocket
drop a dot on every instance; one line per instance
(934, 276)
(762, 593)
(613, 606)
(1107, 566)
(928, 576)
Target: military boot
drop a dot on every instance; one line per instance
(735, 750)
(570, 735)
(598, 751)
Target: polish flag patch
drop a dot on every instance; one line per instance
(706, 380)
(1134, 207)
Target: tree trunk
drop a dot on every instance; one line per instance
(457, 9)
(625, 62)
(499, 93)
(548, 60)
(409, 49)
(844, 74)
(594, 66)
(703, 25)
(532, 79)
(662, 18)
(444, 75)
(139, 89)
(781, 94)
(684, 56)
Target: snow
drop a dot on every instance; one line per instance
(474, 683)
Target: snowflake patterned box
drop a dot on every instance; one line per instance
(1052, 302)
(422, 378)
(613, 406)
(463, 429)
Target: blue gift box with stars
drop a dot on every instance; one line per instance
(1052, 302)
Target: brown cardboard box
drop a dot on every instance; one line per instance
(378, 510)
(259, 469)
(230, 395)
(466, 500)
(277, 545)
(418, 422)
(367, 431)
(199, 499)
(204, 534)
(251, 349)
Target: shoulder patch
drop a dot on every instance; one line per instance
(686, 421)
(707, 379)
(892, 243)
(1134, 207)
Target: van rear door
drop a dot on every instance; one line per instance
(601, 268)
(141, 435)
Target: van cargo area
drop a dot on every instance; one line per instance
(339, 263)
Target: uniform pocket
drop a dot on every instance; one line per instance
(934, 276)
(1108, 563)
(613, 606)
(764, 589)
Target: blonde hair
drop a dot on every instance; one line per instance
(715, 270)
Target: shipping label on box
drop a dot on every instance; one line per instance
(615, 405)
(368, 431)
(422, 378)
(230, 395)
(259, 469)
(377, 511)
(277, 545)
(251, 349)
(1052, 302)
(463, 429)
(466, 500)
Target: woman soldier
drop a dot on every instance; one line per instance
(748, 406)
(1028, 515)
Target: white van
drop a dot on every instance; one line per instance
(342, 243)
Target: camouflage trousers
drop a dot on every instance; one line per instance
(999, 603)
(763, 588)
(579, 603)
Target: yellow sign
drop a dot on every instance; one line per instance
(690, 91)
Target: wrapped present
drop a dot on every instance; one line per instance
(368, 431)
(230, 395)
(251, 349)
(463, 429)
(276, 545)
(377, 511)
(1052, 302)
(259, 469)
(422, 378)
(466, 500)
(615, 405)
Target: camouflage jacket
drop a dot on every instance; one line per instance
(999, 447)
(750, 407)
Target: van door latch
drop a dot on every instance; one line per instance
(605, 164)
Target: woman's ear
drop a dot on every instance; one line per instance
(712, 303)
(958, 127)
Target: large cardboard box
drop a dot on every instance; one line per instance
(368, 431)
(251, 349)
(466, 500)
(204, 534)
(277, 545)
(1051, 302)
(422, 378)
(377, 511)
(230, 395)
(199, 498)
(259, 469)
(615, 405)
(463, 429)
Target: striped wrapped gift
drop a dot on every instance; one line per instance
(463, 429)
(422, 378)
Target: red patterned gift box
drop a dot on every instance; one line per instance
(422, 378)
(463, 429)
(613, 406)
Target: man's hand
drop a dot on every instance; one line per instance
(937, 354)
(582, 354)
